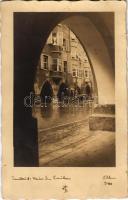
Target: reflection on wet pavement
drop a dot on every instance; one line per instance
(53, 115)
(66, 141)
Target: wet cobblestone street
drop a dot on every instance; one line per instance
(66, 141)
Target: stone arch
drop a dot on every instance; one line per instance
(30, 33)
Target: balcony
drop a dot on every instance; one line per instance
(56, 49)
(57, 74)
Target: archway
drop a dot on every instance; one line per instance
(26, 55)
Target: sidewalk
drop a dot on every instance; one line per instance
(80, 147)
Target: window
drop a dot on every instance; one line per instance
(86, 73)
(44, 62)
(54, 38)
(66, 44)
(74, 73)
(56, 64)
(65, 66)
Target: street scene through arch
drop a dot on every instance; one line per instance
(64, 125)
(67, 92)
(64, 64)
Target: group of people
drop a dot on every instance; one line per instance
(65, 91)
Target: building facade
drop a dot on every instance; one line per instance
(63, 61)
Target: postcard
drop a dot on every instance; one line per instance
(64, 100)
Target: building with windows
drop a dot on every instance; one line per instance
(80, 66)
(63, 60)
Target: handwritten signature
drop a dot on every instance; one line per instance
(40, 178)
(108, 177)
(108, 180)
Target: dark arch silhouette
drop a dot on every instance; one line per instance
(46, 92)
